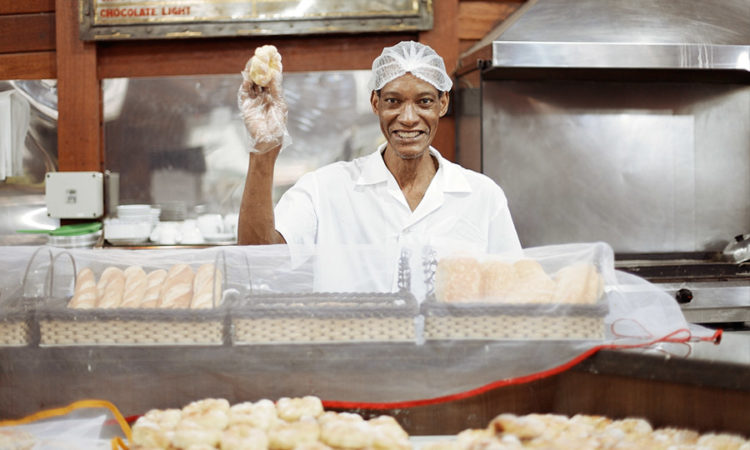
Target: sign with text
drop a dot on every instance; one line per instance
(163, 19)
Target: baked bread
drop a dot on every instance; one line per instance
(154, 281)
(135, 287)
(177, 289)
(84, 295)
(498, 279)
(263, 66)
(578, 283)
(207, 287)
(533, 285)
(110, 288)
(457, 279)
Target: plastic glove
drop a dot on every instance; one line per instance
(261, 101)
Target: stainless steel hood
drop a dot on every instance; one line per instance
(616, 34)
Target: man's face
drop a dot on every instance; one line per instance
(409, 110)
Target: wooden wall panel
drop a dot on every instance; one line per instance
(28, 66)
(26, 6)
(78, 96)
(222, 56)
(27, 32)
(443, 38)
(476, 18)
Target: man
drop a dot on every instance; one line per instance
(404, 195)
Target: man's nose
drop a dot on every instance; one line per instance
(408, 113)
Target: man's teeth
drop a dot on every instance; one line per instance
(407, 134)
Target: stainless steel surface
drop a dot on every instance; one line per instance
(646, 167)
(714, 301)
(684, 34)
(22, 192)
(23, 208)
(181, 140)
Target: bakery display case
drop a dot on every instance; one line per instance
(275, 332)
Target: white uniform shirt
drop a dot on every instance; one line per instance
(360, 203)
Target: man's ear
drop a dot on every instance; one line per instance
(374, 98)
(445, 99)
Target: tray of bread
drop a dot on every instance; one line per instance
(323, 318)
(471, 297)
(133, 305)
(326, 317)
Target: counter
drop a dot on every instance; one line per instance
(707, 390)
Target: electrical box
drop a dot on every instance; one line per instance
(74, 195)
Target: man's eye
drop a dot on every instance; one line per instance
(426, 101)
(391, 101)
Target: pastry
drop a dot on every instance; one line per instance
(261, 414)
(287, 435)
(264, 66)
(243, 437)
(292, 409)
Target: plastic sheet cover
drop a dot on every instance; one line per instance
(286, 329)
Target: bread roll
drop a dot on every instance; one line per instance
(498, 279)
(110, 288)
(84, 295)
(135, 287)
(264, 65)
(177, 289)
(207, 286)
(457, 279)
(578, 283)
(154, 281)
(533, 285)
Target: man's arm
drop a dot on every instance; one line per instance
(264, 113)
(256, 224)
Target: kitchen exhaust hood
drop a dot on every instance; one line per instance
(689, 35)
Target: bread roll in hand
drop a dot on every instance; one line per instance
(261, 101)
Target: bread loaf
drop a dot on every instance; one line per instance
(533, 285)
(578, 283)
(498, 279)
(177, 289)
(457, 279)
(135, 287)
(84, 295)
(207, 286)
(110, 288)
(154, 281)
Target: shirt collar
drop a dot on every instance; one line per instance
(449, 175)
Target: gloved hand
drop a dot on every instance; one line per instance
(261, 102)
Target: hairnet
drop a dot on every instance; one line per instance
(408, 56)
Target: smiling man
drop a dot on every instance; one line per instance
(405, 193)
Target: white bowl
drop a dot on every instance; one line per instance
(133, 210)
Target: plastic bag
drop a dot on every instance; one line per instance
(84, 425)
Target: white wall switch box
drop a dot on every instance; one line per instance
(74, 195)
